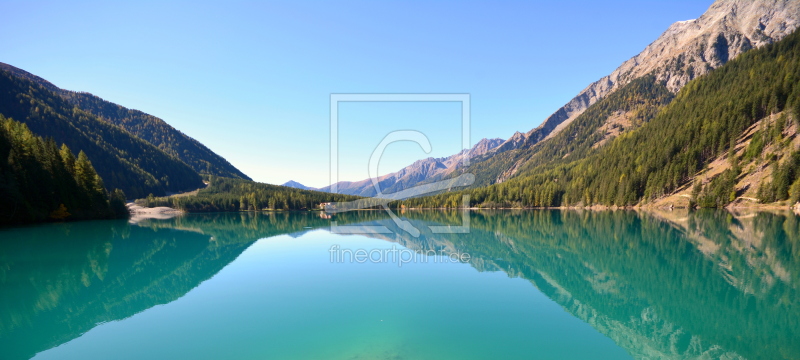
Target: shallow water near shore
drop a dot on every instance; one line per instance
(544, 284)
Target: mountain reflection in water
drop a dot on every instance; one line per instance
(707, 284)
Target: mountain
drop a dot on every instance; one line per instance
(729, 135)
(142, 125)
(297, 185)
(686, 50)
(624, 110)
(122, 160)
(420, 172)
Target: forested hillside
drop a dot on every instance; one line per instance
(40, 181)
(705, 121)
(158, 133)
(147, 127)
(122, 160)
(226, 194)
(629, 108)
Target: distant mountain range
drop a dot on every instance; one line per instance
(133, 151)
(297, 185)
(420, 172)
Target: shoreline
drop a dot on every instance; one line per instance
(170, 212)
(139, 213)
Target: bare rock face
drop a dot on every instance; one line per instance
(484, 146)
(513, 142)
(687, 49)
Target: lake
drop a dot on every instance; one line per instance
(539, 284)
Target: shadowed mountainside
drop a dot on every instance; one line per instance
(144, 126)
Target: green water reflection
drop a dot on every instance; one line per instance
(659, 285)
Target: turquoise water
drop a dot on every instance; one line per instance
(533, 285)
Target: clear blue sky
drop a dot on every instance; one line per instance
(252, 80)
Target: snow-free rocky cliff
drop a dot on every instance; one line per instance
(687, 49)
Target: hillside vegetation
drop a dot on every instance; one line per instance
(159, 133)
(41, 181)
(634, 105)
(123, 160)
(226, 194)
(144, 126)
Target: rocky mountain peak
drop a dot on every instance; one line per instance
(485, 145)
(513, 142)
(687, 49)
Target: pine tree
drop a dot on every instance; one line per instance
(84, 172)
(68, 159)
